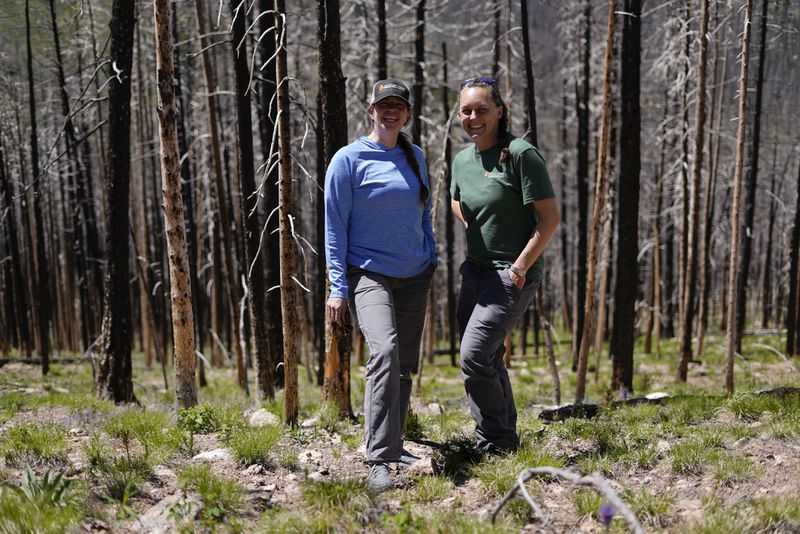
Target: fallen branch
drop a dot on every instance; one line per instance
(594, 481)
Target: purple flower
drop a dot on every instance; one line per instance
(607, 513)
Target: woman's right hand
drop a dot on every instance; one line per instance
(335, 309)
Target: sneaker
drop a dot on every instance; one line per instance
(379, 478)
(408, 458)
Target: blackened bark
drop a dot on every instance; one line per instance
(582, 104)
(627, 279)
(252, 222)
(269, 148)
(336, 383)
(114, 380)
(44, 303)
(380, 7)
(530, 96)
(419, 76)
(452, 325)
(749, 200)
(18, 296)
(791, 308)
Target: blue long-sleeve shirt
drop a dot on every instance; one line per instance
(373, 215)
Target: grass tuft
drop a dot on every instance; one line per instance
(222, 499)
(251, 445)
(35, 442)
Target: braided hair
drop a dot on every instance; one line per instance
(494, 94)
(405, 144)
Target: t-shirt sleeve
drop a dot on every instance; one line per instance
(338, 203)
(534, 178)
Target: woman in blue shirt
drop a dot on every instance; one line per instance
(381, 257)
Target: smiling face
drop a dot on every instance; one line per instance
(480, 116)
(389, 115)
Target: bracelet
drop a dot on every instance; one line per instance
(516, 270)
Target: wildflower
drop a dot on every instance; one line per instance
(607, 513)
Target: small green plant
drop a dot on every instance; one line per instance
(250, 445)
(201, 419)
(287, 458)
(35, 442)
(328, 414)
(352, 441)
(499, 473)
(750, 407)
(122, 475)
(222, 499)
(152, 429)
(47, 506)
(413, 427)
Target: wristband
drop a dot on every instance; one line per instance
(516, 270)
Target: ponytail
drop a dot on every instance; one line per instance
(405, 143)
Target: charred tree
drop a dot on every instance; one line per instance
(114, 376)
(751, 176)
(623, 334)
(338, 338)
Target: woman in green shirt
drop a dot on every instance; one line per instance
(502, 194)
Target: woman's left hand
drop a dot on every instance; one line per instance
(518, 280)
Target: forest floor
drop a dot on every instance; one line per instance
(696, 462)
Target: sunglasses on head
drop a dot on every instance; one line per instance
(470, 81)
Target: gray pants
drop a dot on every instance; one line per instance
(391, 315)
(489, 305)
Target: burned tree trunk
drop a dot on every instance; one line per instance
(257, 294)
(338, 338)
(623, 335)
(114, 377)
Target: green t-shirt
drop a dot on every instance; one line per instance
(496, 201)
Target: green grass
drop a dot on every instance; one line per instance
(499, 473)
(35, 442)
(251, 445)
(428, 489)
(20, 512)
(334, 497)
(729, 469)
(652, 508)
(587, 502)
(222, 499)
(690, 457)
(151, 429)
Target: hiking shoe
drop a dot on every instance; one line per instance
(379, 478)
(408, 458)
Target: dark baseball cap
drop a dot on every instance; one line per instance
(390, 87)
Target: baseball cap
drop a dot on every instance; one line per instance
(389, 87)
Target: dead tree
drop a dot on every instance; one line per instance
(289, 282)
(180, 284)
(257, 290)
(751, 176)
(338, 338)
(582, 98)
(43, 298)
(693, 248)
(626, 288)
(114, 377)
(601, 189)
(733, 333)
